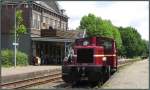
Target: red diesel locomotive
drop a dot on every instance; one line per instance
(93, 60)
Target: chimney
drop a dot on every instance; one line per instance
(62, 11)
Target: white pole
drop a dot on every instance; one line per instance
(95, 23)
(15, 38)
(84, 33)
(15, 44)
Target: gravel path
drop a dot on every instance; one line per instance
(134, 76)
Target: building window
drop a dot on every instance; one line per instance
(36, 21)
(50, 20)
(55, 24)
(47, 22)
(44, 23)
(33, 20)
(64, 26)
(53, 21)
(44, 19)
(58, 24)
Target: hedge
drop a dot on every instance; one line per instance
(7, 57)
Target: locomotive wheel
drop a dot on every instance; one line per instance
(102, 80)
(99, 82)
(107, 73)
(93, 84)
(113, 71)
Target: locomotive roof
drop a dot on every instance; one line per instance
(107, 38)
(100, 37)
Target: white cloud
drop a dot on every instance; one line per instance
(121, 13)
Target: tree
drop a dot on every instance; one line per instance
(128, 40)
(96, 26)
(20, 27)
(145, 48)
(132, 42)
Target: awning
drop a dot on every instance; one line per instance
(49, 39)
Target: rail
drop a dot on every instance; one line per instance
(32, 81)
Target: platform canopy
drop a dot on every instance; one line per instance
(50, 39)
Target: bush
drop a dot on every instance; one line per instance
(8, 58)
(22, 58)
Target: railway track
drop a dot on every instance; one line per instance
(53, 77)
(32, 81)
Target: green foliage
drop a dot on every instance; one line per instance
(96, 26)
(132, 42)
(20, 27)
(22, 58)
(7, 57)
(122, 51)
(145, 48)
(19, 18)
(21, 30)
(128, 40)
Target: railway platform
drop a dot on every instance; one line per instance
(20, 73)
(134, 76)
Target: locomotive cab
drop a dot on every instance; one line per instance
(92, 59)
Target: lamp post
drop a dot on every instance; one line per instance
(0, 23)
(95, 23)
(15, 43)
(1, 3)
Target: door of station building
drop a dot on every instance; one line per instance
(50, 54)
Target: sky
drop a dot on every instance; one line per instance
(121, 13)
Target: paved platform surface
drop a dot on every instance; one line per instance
(134, 76)
(26, 69)
(19, 73)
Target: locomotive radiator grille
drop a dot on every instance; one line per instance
(85, 55)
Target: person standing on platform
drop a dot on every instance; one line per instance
(46, 59)
(42, 57)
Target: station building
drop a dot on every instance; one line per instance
(47, 30)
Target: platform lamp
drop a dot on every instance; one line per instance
(1, 1)
(15, 43)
